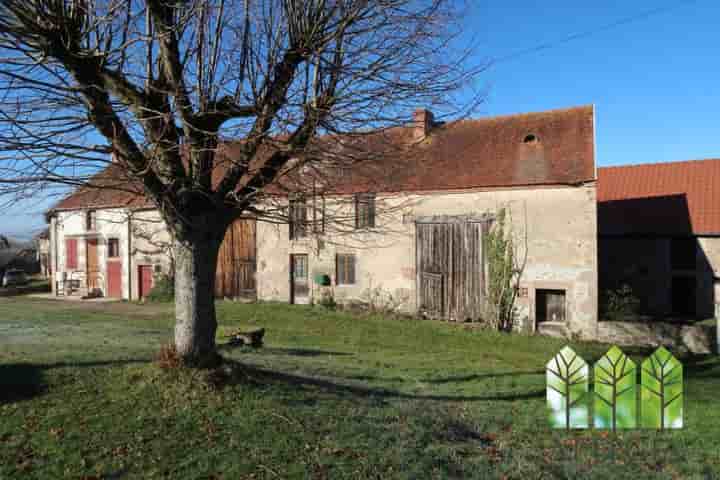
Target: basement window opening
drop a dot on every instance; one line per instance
(549, 305)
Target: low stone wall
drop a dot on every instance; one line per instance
(692, 338)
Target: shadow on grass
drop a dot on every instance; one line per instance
(482, 376)
(329, 385)
(303, 352)
(23, 381)
(20, 381)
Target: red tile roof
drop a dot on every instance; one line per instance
(555, 147)
(675, 198)
(109, 188)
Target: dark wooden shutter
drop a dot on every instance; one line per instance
(351, 269)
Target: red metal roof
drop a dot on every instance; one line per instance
(555, 147)
(674, 198)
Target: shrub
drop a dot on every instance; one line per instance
(380, 301)
(619, 304)
(163, 290)
(327, 300)
(168, 358)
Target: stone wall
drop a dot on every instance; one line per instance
(692, 338)
(555, 227)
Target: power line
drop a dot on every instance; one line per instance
(587, 33)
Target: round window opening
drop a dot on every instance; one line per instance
(530, 138)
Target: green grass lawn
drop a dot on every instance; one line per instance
(331, 395)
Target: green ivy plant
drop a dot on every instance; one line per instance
(503, 272)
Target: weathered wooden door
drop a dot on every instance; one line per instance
(145, 280)
(92, 267)
(114, 279)
(299, 286)
(235, 273)
(450, 269)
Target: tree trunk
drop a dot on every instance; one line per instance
(195, 322)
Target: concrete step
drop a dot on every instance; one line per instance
(553, 329)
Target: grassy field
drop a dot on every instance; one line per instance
(330, 396)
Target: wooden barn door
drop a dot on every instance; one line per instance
(92, 266)
(235, 273)
(450, 269)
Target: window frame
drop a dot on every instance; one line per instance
(91, 220)
(346, 260)
(110, 252)
(365, 203)
(298, 218)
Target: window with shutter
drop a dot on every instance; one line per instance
(345, 269)
(364, 210)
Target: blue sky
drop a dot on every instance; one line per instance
(654, 81)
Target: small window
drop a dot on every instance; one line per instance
(365, 210)
(113, 248)
(682, 253)
(549, 305)
(530, 138)
(298, 218)
(90, 220)
(345, 269)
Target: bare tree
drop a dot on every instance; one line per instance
(159, 85)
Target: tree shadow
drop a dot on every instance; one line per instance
(303, 352)
(20, 381)
(267, 376)
(23, 381)
(482, 376)
(700, 365)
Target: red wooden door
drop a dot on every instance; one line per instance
(145, 281)
(114, 279)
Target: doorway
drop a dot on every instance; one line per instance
(299, 286)
(92, 266)
(450, 266)
(145, 280)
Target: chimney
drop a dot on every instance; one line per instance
(422, 123)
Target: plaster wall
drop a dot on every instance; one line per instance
(554, 227)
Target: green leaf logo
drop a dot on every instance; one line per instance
(615, 391)
(567, 386)
(661, 391)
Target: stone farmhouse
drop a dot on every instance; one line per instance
(411, 235)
